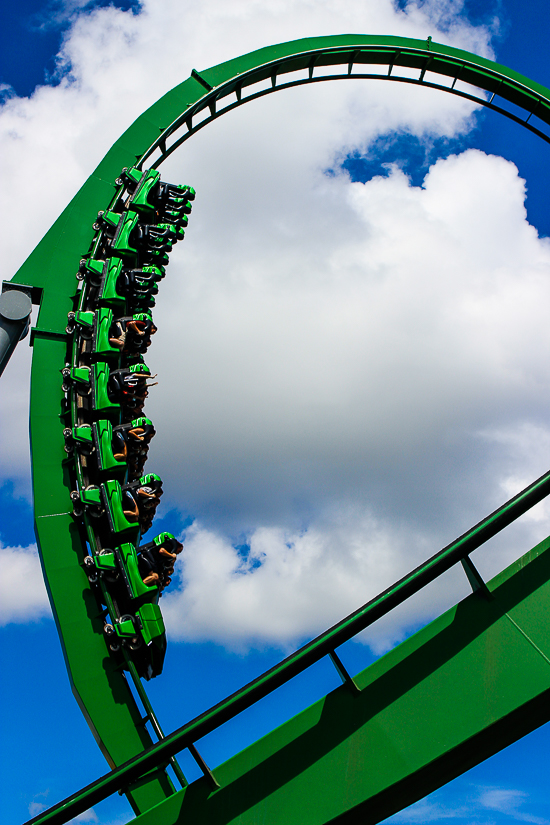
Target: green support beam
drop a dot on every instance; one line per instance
(464, 687)
(102, 691)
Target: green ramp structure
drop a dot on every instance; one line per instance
(462, 688)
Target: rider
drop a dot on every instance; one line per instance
(132, 334)
(156, 559)
(140, 500)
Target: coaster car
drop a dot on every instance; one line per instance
(150, 195)
(117, 229)
(126, 237)
(111, 391)
(144, 635)
(121, 450)
(129, 334)
(105, 502)
(137, 624)
(98, 439)
(130, 508)
(144, 573)
(95, 325)
(119, 287)
(135, 580)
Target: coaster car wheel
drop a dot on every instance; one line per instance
(70, 328)
(68, 436)
(91, 570)
(134, 644)
(111, 637)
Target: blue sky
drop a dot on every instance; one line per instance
(50, 751)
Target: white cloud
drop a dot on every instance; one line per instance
(345, 355)
(377, 414)
(36, 808)
(509, 801)
(23, 596)
(118, 63)
(288, 585)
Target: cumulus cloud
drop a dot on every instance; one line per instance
(23, 596)
(509, 801)
(393, 396)
(283, 586)
(344, 367)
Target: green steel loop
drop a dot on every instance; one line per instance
(395, 52)
(100, 688)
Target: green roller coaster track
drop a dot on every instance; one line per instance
(462, 688)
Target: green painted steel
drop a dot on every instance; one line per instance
(101, 690)
(461, 689)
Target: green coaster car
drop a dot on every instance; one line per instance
(137, 624)
(130, 508)
(106, 503)
(99, 440)
(123, 289)
(97, 327)
(126, 237)
(111, 392)
(120, 451)
(128, 334)
(152, 196)
(117, 504)
(93, 382)
(144, 635)
(117, 229)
